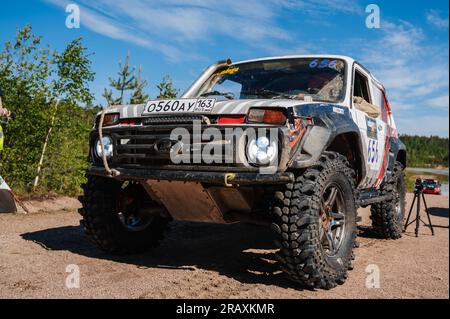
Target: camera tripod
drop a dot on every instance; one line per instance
(418, 195)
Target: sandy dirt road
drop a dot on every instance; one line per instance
(209, 261)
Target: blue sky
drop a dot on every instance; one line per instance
(409, 53)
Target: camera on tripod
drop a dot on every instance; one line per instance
(418, 196)
(419, 185)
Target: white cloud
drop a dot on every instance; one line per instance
(409, 67)
(322, 7)
(398, 43)
(425, 125)
(107, 26)
(196, 19)
(415, 79)
(415, 72)
(439, 102)
(174, 26)
(400, 106)
(435, 19)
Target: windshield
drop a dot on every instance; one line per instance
(309, 79)
(430, 183)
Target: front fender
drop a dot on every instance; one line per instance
(330, 121)
(397, 152)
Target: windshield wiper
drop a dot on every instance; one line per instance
(269, 93)
(227, 95)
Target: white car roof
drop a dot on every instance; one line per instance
(348, 59)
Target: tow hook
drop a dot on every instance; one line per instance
(229, 177)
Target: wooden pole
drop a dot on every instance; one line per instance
(44, 148)
(19, 202)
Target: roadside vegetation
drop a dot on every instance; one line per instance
(48, 93)
(426, 151)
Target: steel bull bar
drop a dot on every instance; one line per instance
(217, 178)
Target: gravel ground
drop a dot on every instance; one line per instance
(209, 261)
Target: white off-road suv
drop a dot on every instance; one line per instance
(299, 142)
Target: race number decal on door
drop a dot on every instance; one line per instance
(372, 157)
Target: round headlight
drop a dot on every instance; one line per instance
(262, 151)
(107, 145)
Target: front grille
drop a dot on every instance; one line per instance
(138, 147)
(150, 146)
(174, 119)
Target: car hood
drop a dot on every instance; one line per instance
(242, 106)
(221, 107)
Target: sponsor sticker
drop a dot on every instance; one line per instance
(338, 110)
(230, 71)
(372, 131)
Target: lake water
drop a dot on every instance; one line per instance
(445, 187)
(428, 170)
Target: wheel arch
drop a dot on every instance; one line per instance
(334, 130)
(401, 157)
(398, 152)
(344, 144)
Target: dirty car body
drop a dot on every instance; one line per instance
(304, 107)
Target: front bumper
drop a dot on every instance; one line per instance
(432, 191)
(216, 178)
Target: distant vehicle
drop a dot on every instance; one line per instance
(431, 186)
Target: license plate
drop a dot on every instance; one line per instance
(179, 106)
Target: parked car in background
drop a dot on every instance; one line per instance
(432, 186)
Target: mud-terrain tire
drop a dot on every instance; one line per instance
(297, 209)
(103, 226)
(387, 217)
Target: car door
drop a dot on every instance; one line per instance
(373, 130)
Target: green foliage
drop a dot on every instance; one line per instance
(138, 95)
(166, 88)
(424, 151)
(24, 77)
(64, 168)
(33, 78)
(48, 94)
(73, 74)
(128, 80)
(65, 164)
